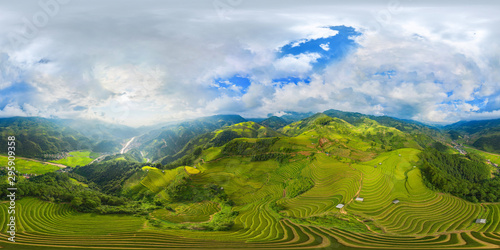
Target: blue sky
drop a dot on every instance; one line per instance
(150, 62)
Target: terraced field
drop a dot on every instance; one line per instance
(156, 179)
(196, 212)
(59, 227)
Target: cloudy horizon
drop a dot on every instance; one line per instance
(141, 63)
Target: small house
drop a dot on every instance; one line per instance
(340, 206)
(380, 163)
(396, 201)
(481, 221)
(360, 199)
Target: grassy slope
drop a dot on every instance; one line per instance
(29, 167)
(495, 158)
(77, 158)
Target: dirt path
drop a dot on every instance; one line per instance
(357, 193)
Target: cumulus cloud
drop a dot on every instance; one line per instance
(142, 63)
(296, 65)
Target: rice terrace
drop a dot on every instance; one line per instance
(249, 124)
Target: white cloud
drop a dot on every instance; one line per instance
(12, 109)
(325, 46)
(280, 113)
(139, 63)
(312, 32)
(296, 64)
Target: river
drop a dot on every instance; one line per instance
(126, 145)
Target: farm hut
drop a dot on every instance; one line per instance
(380, 163)
(340, 206)
(481, 221)
(360, 199)
(396, 201)
(399, 154)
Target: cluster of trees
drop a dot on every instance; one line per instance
(279, 157)
(186, 159)
(276, 207)
(57, 187)
(182, 189)
(389, 140)
(467, 177)
(323, 121)
(109, 175)
(225, 137)
(239, 147)
(298, 186)
(489, 143)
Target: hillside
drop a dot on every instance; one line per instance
(251, 186)
(321, 180)
(424, 134)
(98, 130)
(274, 122)
(171, 139)
(36, 137)
(218, 138)
(483, 135)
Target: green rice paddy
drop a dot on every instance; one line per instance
(77, 158)
(25, 166)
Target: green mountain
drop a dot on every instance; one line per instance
(484, 135)
(291, 116)
(38, 136)
(171, 139)
(424, 134)
(218, 138)
(274, 122)
(98, 130)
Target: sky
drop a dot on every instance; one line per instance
(146, 62)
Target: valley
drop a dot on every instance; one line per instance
(319, 182)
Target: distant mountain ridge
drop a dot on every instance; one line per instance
(171, 139)
(37, 136)
(158, 143)
(483, 134)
